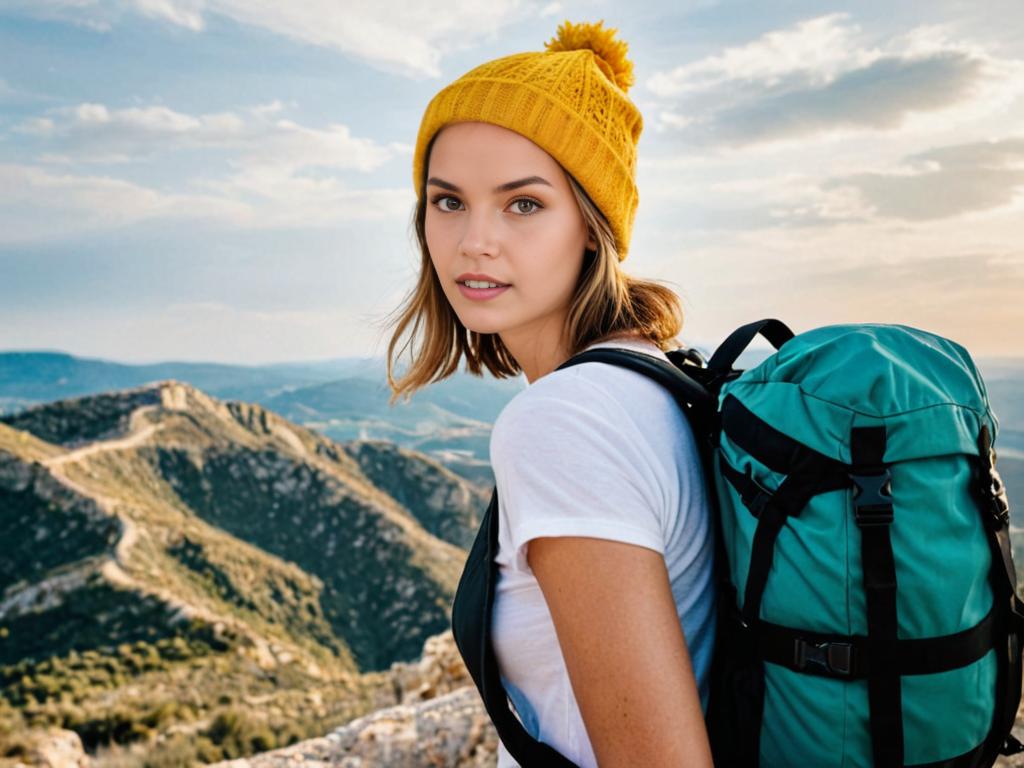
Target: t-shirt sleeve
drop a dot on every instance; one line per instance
(565, 467)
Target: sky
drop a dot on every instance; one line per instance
(231, 181)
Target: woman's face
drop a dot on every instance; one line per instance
(500, 208)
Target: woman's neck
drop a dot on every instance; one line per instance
(543, 362)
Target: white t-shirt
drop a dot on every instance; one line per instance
(602, 451)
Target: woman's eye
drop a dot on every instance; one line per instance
(440, 200)
(528, 201)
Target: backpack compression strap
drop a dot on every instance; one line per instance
(874, 513)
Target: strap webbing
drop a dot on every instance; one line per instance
(753, 495)
(973, 758)
(809, 477)
(777, 332)
(772, 518)
(778, 451)
(471, 626)
(520, 744)
(873, 510)
(848, 657)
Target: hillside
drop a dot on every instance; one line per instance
(160, 543)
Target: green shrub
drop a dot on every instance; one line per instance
(262, 739)
(207, 751)
(161, 715)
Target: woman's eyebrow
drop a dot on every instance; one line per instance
(509, 185)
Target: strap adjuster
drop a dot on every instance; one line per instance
(835, 658)
(872, 497)
(756, 497)
(995, 493)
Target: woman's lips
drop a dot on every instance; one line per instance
(481, 293)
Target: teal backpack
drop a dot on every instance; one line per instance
(868, 612)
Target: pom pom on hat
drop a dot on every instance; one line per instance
(611, 53)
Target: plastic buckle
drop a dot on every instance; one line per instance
(872, 498)
(832, 657)
(1011, 745)
(995, 493)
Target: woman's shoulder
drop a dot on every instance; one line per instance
(582, 400)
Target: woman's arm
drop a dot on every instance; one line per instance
(615, 617)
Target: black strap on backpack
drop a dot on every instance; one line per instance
(474, 597)
(873, 512)
(471, 626)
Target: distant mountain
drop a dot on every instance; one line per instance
(345, 399)
(1004, 380)
(37, 377)
(31, 378)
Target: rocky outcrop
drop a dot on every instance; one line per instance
(53, 748)
(440, 670)
(452, 730)
(439, 721)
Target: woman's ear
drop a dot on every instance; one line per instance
(591, 242)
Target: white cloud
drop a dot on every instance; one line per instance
(97, 15)
(822, 78)
(183, 13)
(403, 37)
(37, 204)
(958, 276)
(815, 49)
(93, 132)
(943, 182)
(274, 172)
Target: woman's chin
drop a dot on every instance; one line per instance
(483, 327)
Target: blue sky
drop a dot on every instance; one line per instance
(231, 181)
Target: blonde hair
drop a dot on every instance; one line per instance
(606, 303)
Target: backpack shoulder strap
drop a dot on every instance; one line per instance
(471, 626)
(686, 389)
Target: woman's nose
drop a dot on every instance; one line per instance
(481, 234)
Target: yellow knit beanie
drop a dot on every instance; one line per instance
(570, 100)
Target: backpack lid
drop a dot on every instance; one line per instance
(923, 388)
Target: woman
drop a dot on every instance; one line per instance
(604, 611)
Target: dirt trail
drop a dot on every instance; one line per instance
(136, 434)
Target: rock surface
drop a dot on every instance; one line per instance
(55, 748)
(450, 730)
(438, 671)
